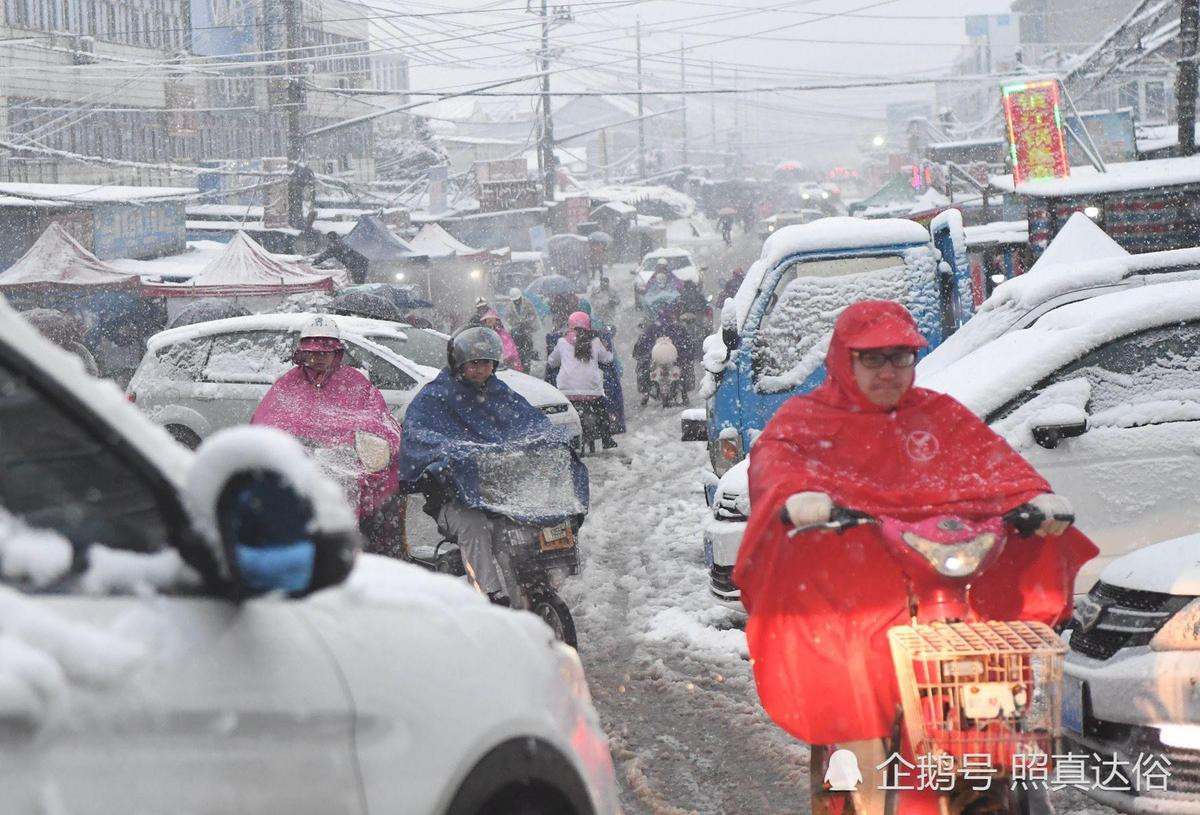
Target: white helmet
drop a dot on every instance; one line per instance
(320, 326)
(515, 294)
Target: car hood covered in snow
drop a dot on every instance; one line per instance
(1170, 567)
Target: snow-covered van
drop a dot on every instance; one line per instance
(775, 331)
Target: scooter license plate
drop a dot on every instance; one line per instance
(1072, 703)
(556, 537)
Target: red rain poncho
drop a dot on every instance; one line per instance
(329, 413)
(820, 603)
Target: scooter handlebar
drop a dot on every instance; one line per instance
(1027, 519)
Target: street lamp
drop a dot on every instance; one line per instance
(877, 141)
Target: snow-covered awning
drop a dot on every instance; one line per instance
(245, 268)
(1121, 177)
(435, 242)
(57, 259)
(374, 241)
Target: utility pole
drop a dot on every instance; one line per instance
(641, 113)
(548, 164)
(1186, 81)
(683, 102)
(712, 103)
(298, 174)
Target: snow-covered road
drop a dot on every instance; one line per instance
(666, 662)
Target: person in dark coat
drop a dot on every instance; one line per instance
(664, 324)
(336, 249)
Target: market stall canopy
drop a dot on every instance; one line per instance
(57, 259)
(245, 269)
(374, 241)
(435, 242)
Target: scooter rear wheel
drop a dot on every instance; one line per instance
(551, 608)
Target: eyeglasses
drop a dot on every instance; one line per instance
(904, 358)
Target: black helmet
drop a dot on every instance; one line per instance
(472, 343)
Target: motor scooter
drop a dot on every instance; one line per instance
(534, 561)
(970, 688)
(666, 377)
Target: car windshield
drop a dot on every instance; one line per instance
(674, 263)
(418, 345)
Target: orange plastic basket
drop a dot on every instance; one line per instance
(979, 689)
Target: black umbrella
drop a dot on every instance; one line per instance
(599, 237)
(366, 305)
(206, 309)
(401, 297)
(552, 285)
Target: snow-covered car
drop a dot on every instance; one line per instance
(1129, 693)
(1100, 393)
(201, 378)
(679, 263)
(767, 226)
(129, 682)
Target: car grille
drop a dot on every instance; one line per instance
(552, 409)
(725, 508)
(1111, 618)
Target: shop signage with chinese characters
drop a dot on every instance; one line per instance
(1037, 145)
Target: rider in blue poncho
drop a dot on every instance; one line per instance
(477, 449)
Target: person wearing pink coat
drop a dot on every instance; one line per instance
(512, 356)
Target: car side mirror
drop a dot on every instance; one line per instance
(729, 337)
(1049, 435)
(273, 520)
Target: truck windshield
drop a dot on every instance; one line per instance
(794, 333)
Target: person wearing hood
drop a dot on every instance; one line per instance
(664, 323)
(331, 405)
(464, 414)
(578, 355)
(512, 355)
(820, 604)
(524, 324)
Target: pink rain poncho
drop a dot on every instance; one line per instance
(327, 412)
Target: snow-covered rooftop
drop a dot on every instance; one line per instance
(244, 267)
(1129, 175)
(92, 193)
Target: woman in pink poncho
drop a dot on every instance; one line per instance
(512, 356)
(333, 407)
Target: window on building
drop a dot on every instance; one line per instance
(1156, 101)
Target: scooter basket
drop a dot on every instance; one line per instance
(984, 690)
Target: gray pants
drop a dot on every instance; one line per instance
(480, 539)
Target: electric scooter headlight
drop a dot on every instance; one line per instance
(953, 559)
(373, 451)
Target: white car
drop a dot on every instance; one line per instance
(129, 683)
(1100, 393)
(679, 263)
(201, 378)
(1129, 695)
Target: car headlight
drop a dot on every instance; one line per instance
(373, 451)
(1181, 632)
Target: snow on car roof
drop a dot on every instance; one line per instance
(1079, 239)
(991, 374)
(1016, 298)
(360, 326)
(668, 252)
(107, 401)
(827, 234)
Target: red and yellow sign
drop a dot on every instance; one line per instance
(1035, 130)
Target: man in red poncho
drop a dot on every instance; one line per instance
(335, 407)
(820, 604)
